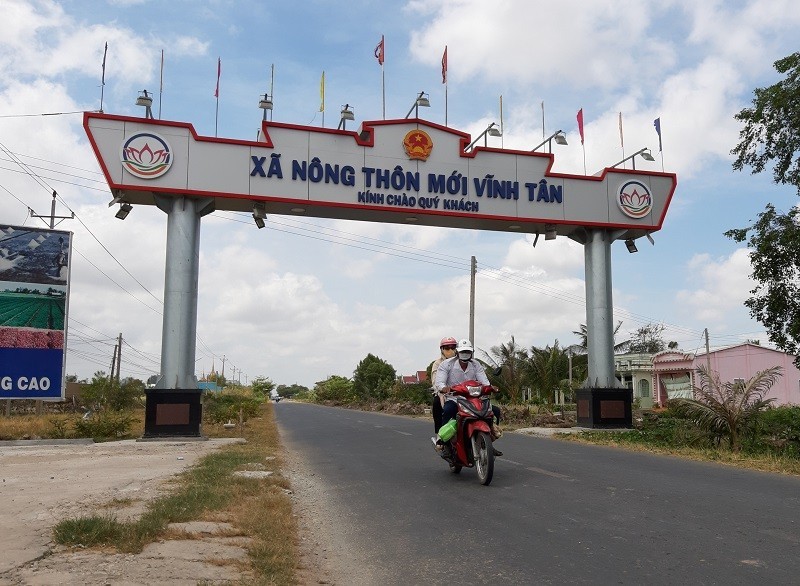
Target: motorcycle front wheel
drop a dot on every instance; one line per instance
(483, 452)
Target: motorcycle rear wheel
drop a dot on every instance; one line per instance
(483, 452)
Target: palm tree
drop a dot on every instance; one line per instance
(583, 334)
(511, 358)
(547, 369)
(727, 409)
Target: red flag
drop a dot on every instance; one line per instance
(580, 123)
(219, 71)
(379, 51)
(444, 65)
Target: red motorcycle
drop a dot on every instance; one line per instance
(471, 444)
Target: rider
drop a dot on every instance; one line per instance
(447, 348)
(456, 370)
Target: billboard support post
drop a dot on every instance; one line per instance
(173, 407)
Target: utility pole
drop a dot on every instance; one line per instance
(52, 217)
(223, 367)
(473, 265)
(119, 355)
(708, 353)
(113, 364)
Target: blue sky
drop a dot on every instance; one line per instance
(306, 298)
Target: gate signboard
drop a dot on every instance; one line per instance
(34, 289)
(400, 171)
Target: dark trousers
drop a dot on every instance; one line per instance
(436, 410)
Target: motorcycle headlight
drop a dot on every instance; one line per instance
(474, 391)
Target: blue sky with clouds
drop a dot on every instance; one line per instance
(306, 298)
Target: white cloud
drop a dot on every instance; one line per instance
(721, 287)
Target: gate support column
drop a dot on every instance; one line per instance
(173, 408)
(602, 403)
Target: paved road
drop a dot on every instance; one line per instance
(555, 513)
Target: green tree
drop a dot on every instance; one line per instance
(583, 334)
(647, 340)
(770, 138)
(548, 370)
(512, 359)
(373, 378)
(102, 394)
(262, 386)
(338, 389)
(291, 390)
(728, 409)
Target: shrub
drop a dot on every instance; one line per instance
(104, 425)
(227, 405)
(728, 410)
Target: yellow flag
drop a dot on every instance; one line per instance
(322, 93)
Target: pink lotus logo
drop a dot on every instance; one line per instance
(146, 155)
(634, 199)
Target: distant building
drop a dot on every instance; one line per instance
(635, 371)
(671, 374)
(675, 374)
(421, 376)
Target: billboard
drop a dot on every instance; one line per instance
(399, 171)
(34, 294)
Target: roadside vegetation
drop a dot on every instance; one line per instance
(259, 508)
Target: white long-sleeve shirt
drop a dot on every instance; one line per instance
(450, 373)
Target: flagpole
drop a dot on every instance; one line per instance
(502, 134)
(622, 140)
(322, 98)
(444, 81)
(161, 84)
(379, 53)
(657, 125)
(580, 130)
(216, 95)
(542, 118)
(103, 78)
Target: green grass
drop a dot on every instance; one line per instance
(259, 509)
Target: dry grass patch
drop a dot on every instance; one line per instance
(260, 510)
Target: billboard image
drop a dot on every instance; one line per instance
(34, 293)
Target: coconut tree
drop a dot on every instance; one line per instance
(727, 409)
(547, 369)
(511, 358)
(583, 346)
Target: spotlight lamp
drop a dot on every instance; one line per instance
(550, 231)
(491, 130)
(421, 101)
(644, 153)
(631, 245)
(346, 114)
(265, 104)
(259, 215)
(557, 136)
(124, 210)
(146, 101)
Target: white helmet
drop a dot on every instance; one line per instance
(464, 350)
(464, 346)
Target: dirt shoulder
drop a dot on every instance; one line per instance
(41, 485)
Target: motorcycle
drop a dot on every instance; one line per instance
(471, 444)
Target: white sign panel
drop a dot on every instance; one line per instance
(397, 171)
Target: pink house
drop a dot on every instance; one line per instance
(675, 373)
